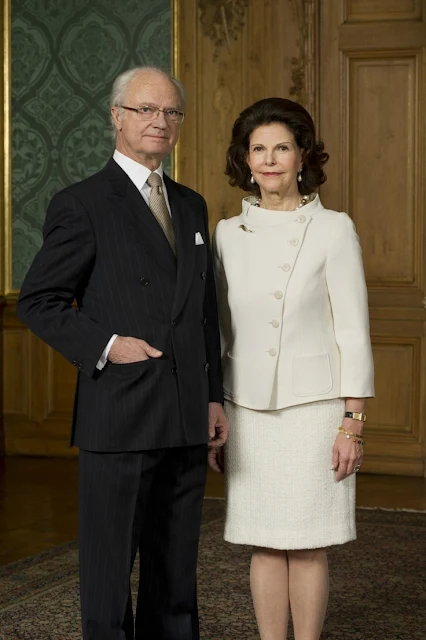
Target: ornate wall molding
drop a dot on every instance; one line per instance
(222, 21)
(305, 66)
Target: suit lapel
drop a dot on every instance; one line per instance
(184, 224)
(136, 213)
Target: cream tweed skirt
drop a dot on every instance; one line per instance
(280, 490)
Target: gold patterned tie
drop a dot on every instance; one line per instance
(157, 204)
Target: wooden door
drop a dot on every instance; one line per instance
(372, 110)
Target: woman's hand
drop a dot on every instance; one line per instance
(347, 454)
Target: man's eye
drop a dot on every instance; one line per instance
(145, 109)
(172, 112)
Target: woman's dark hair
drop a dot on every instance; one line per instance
(300, 123)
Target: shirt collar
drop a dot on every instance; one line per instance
(137, 172)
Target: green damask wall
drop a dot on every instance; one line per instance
(65, 55)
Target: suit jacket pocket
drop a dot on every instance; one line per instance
(128, 369)
(312, 375)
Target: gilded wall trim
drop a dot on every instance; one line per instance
(6, 170)
(305, 66)
(174, 66)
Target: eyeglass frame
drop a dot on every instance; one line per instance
(157, 111)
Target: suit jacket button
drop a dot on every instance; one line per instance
(206, 366)
(144, 282)
(74, 363)
(174, 370)
(79, 366)
(203, 275)
(174, 323)
(204, 321)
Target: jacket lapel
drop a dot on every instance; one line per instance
(143, 225)
(184, 224)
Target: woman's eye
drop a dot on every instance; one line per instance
(283, 147)
(257, 148)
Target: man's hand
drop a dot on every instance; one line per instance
(218, 425)
(216, 459)
(127, 350)
(218, 433)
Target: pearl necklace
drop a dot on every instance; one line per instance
(302, 203)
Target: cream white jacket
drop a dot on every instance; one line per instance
(293, 307)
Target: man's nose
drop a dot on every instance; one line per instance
(160, 121)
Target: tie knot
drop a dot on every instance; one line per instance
(155, 180)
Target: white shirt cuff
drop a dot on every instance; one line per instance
(103, 359)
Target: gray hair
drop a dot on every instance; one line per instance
(122, 81)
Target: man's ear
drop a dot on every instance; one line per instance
(117, 118)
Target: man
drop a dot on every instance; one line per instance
(132, 248)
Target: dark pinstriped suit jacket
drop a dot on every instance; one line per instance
(103, 248)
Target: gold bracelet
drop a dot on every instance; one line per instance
(356, 437)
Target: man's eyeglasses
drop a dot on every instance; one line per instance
(147, 112)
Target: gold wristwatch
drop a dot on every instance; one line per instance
(355, 415)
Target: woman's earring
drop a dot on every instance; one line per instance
(299, 176)
(252, 180)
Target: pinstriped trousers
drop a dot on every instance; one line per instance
(146, 501)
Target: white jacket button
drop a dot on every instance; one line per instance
(286, 267)
(272, 352)
(278, 295)
(275, 324)
(301, 219)
(294, 242)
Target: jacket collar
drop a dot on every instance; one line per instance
(259, 217)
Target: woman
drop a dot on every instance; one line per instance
(297, 366)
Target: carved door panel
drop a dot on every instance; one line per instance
(229, 53)
(372, 118)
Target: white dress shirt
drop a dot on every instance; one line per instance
(139, 175)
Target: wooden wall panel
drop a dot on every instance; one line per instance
(382, 120)
(372, 118)
(377, 10)
(38, 393)
(395, 409)
(15, 371)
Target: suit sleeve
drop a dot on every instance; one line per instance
(211, 328)
(58, 274)
(349, 303)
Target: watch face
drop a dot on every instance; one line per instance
(356, 415)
